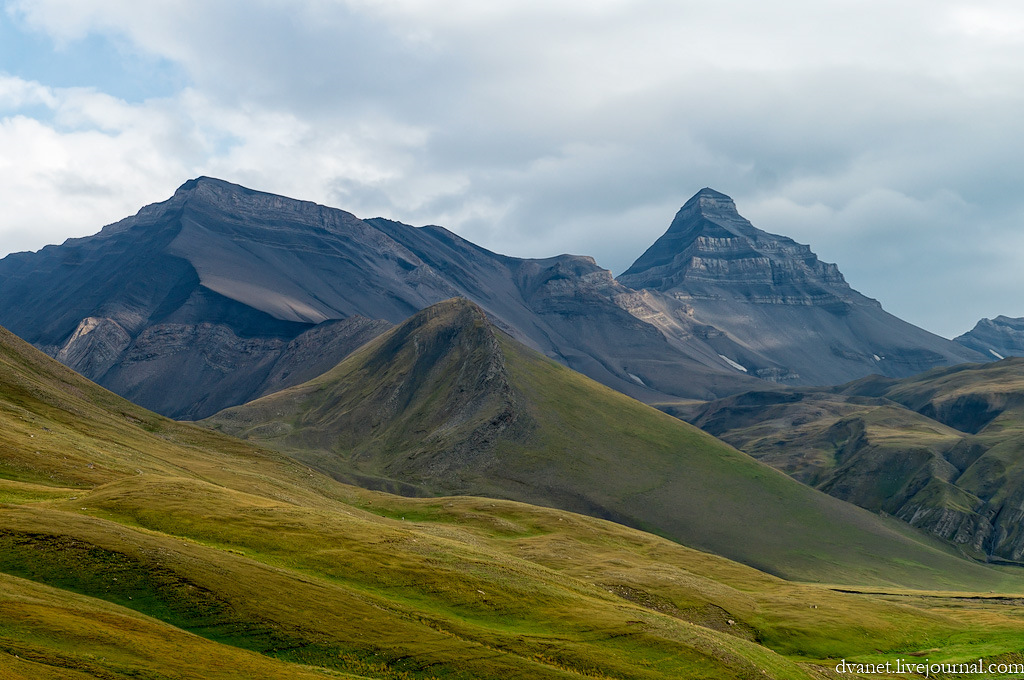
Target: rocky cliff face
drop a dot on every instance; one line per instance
(996, 338)
(793, 317)
(195, 370)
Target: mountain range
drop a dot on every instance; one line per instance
(222, 294)
(407, 360)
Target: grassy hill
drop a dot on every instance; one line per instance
(445, 404)
(134, 546)
(985, 402)
(943, 450)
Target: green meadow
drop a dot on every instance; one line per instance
(132, 546)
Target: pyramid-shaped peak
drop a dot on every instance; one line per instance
(712, 250)
(709, 202)
(709, 193)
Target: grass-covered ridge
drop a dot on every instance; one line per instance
(940, 450)
(133, 546)
(399, 413)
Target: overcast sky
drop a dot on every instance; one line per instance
(887, 135)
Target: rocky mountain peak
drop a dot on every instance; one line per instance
(710, 250)
(710, 203)
(208, 183)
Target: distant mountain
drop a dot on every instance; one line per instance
(194, 303)
(447, 404)
(940, 450)
(221, 294)
(996, 338)
(795, 317)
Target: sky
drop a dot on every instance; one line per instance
(887, 135)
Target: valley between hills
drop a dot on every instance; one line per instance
(395, 454)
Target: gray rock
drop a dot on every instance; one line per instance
(996, 338)
(190, 306)
(794, 316)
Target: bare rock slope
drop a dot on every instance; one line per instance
(794, 317)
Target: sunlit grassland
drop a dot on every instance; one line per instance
(133, 546)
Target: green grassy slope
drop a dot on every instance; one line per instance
(868, 451)
(400, 411)
(986, 403)
(943, 450)
(133, 546)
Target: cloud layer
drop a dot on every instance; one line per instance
(886, 135)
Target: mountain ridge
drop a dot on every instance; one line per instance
(996, 338)
(219, 279)
(939, 450)
(267, 269)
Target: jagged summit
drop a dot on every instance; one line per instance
(710, 202)
(710, 245)
(795, 316)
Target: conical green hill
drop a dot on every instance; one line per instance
(447, 404)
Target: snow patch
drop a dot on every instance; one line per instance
(637, 378)
(996, 354)
(732, 363)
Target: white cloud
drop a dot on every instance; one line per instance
(872, 130)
